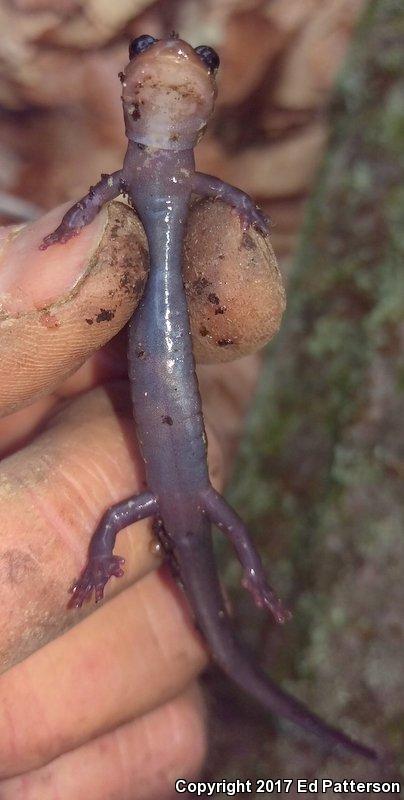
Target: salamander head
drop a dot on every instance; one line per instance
(168, 92)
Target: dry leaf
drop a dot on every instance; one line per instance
(310, 66)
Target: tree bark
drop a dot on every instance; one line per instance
(320, 478)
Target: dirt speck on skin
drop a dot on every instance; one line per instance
(105, 315)
(220, 310)
(200, 284)
(248, 242)
(49, 320)
(225, 342)
(213, 298)
(16, 566)
(126, 281)
(139, 285)
(203, 331)
(131, 285)
(89, 321)
(114, 231)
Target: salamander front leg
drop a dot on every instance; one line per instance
(250, 214)
(222, 515)
(85, 210)
(102, 563)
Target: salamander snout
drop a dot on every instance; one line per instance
(168, 92)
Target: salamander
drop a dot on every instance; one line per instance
(168, 96)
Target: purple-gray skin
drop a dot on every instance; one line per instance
(168, 94)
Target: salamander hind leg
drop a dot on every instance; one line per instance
(221, 514)
(102, 564)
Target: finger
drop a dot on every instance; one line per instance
(109, 363)
(133, 654)
(234, 286)
(137, 761)
(52, 495)
(61, 305)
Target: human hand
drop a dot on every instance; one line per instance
(109, 706)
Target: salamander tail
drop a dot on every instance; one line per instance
(196, 562)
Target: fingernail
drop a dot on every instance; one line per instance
(31, 278)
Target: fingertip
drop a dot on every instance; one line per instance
(34, 275)
(146, 755)
(234, 285)
(189, 733)
(62, 304)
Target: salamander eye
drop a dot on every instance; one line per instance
(208, 56)
(140, 44)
